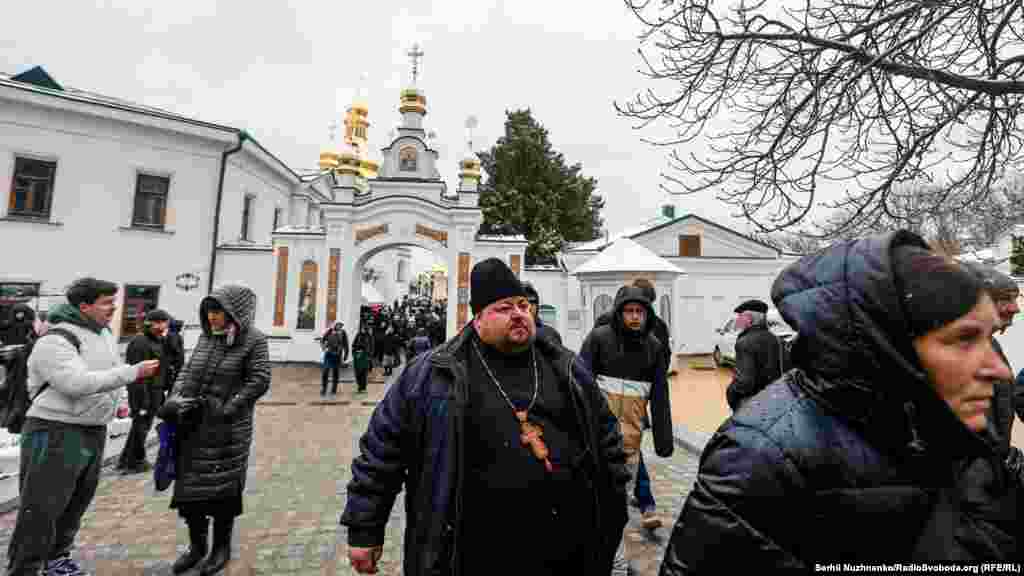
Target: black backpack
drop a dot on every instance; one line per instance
(14, 399)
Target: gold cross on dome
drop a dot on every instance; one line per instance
(415, 55)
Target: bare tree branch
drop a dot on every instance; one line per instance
(772, 102)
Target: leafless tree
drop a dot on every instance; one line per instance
(791, 98)
(790, 242)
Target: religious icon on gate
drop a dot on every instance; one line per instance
(407, 159)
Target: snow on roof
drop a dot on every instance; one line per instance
(500, 238)
(597, 243)
(625, 255)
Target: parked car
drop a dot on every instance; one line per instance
(725, 337)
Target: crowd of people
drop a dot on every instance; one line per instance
(881, 433)
(386, 337)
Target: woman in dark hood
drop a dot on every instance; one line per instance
(213, 404)
(860, 453)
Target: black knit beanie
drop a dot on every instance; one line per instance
(157, 315)
(490, 281)
(934, 290)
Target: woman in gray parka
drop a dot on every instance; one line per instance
(212, 404)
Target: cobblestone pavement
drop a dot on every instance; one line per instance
(295, 493)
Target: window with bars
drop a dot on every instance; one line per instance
(138, 301)
(247, 205)
(689, 245)
(150, 201)
(32, 189)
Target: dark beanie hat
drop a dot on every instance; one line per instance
(490, 281)
(753, 306)
(934, 290)
(157, 315)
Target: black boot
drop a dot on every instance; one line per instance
(197, 530)
(221, 553)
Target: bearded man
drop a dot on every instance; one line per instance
(503, 443)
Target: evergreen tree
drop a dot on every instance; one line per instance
(531, 191)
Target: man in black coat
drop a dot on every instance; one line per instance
(479, 499)
(145, 399)
(758, 354)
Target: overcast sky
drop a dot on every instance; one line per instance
(286, 70)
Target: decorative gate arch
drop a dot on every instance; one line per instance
(366, 208)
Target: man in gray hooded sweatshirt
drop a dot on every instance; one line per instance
(75, 394)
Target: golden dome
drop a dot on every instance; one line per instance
(328, 160)
(368, 168)
(348, 163)
(412, 100)
(470, 168)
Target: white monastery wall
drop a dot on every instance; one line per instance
(90, 231)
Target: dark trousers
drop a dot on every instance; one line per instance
(58, 474)
(642, 491)
(334, 369)
(134, 452)
(361, 376)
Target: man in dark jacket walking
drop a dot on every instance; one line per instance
(628, 364)
(492, 432)
(758, 354)
(362, 354)
(144, 399)
(335, 346)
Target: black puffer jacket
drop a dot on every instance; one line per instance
(610, 350)
(851, 456)
(149, 395)
(228, 377)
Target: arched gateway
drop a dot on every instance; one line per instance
(372, 208)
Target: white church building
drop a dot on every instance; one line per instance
(169, 207)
